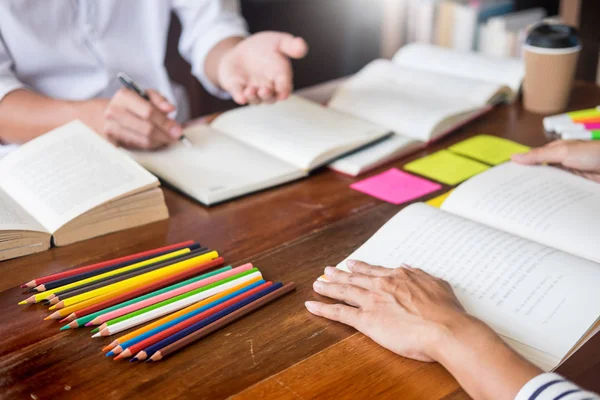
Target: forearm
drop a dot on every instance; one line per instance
(483, 365)
(215, 56)
(25, 115)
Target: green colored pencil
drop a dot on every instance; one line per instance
(174, 299)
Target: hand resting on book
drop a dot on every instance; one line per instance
(418, 316)
(578, 156)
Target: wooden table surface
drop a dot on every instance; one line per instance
(291, 233)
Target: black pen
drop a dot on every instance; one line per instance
(131, 85)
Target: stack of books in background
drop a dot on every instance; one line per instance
(491, 27)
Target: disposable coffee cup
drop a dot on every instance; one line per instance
(551, 52)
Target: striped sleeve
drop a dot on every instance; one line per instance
(551, 386)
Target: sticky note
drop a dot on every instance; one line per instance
(395, 186)
(439, 200)
(446, 167)
(489, 149)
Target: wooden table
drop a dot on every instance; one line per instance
(291, 233)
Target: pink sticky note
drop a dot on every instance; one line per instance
(395, 186)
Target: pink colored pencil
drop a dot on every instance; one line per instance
(167, 295)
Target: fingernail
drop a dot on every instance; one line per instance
(310, 305)
(351, 263)
(175, 131)
(318, 285)
(329, 271)
(165, 104)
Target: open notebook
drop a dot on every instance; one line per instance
(422, 94)
(257, 147)
(70, 185)
(519, 245)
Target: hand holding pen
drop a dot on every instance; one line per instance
(139, 119)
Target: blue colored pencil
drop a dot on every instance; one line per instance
(147, 352)
(118, 349)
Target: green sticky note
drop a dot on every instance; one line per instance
(489, 149)
(446, 167)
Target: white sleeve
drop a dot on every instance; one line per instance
(204, 24)
(551, 386)
(8, 80)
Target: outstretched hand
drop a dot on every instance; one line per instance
(258, 69)
(580, 157)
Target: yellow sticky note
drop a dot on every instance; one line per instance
(446, 167)
(489, 149)
(439, 200)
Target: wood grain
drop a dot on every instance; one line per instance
(291, 233)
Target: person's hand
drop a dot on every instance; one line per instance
(133, 122)
(405, 310)
(258, 69)
(579, 157)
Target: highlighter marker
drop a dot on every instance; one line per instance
(579, 116)
(581, 135)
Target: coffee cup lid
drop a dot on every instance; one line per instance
(553, 36)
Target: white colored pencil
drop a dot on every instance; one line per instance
(169, 308)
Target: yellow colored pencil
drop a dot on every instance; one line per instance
(60, 313)
(137, 280)
(36, 298)
(178, 314)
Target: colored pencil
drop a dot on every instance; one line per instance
(138, 280)
(196, 269)
(167, 295)
(161, 332)
(58, 296)
(131, 298)
(92, 267)
(36, 298)
(220, 323)
(79, 277)
(141, 316)
(177, 314)
(198, 294)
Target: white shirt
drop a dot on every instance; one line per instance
(551, 386)
(72, 49)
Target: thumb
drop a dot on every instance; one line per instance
(291, 46)
(160, 101)
(548, 154)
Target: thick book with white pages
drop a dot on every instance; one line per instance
(257, 147)
(424, 93)
(519, 245)
(70, 185)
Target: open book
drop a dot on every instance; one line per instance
(71, 185)
(519, 245)
(257, 147)
(422, 94)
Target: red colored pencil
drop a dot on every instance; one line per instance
(143, 290)
(71, 272)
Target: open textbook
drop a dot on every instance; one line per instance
(519, 245)
(70, 185)
(423, 93)
(257, 147)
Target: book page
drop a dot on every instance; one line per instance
(527, 292)
(217, 167)
(410, 102)
(541, 203)
(298, 131)
(14, 218)
(67, 172)
(501, 71)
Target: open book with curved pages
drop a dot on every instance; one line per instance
(70, 185)
(519, 246)
(422, 94)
